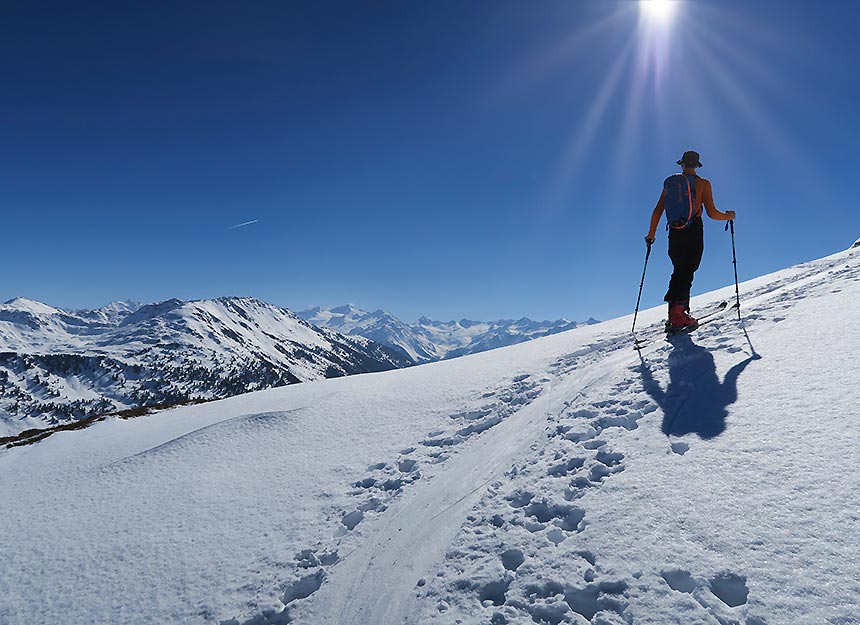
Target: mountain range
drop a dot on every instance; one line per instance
(58, 366)
(429, 340)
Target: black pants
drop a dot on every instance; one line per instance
(685, 249)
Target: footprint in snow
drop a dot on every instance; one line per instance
(566, 517)
(626, 420)
(351, 520)
(512, 559)
(563, 468)
(730, 588)
(309, 558)
(406, 465)
(680, 448)
(438, 457)
(301, 587)
(716, 594)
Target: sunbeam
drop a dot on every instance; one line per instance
(676, 79)
(654, 52)
(646, 69)
(555, 58)
(583, 136)
(771, 138)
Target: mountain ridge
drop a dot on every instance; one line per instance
(58, 366)
(429, 340)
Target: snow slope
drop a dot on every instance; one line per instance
(562, 480)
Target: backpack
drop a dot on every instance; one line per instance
(680, 200)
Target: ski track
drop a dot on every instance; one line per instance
(417, 533)
(420, 514)
(546, 427)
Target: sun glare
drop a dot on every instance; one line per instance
(647, 89)
(658, 11)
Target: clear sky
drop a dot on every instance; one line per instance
(480, 159)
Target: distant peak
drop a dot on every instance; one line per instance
(31, 306)
(152, 310)
(346, 309)
(122, 305)
(16, 301)
(119, 303)
(468, 323)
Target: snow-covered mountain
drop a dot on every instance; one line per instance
(710, 480)
(429, 340)
(111, 314)
(57, 365)
(378, 326)
(458, 338)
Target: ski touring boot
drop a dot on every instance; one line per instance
(680, 319)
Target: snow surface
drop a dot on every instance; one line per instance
(563, 480)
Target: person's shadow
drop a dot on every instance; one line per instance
(695, 400)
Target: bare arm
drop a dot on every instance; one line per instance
(712, 210)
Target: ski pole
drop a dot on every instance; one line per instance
(636, 314)
(731, 225)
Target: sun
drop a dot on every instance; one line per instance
(658, 11)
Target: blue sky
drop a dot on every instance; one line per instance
(481, 159)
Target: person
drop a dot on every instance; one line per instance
(686, 244)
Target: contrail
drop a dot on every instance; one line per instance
(247, 223)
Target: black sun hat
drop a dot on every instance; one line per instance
(690, 158)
